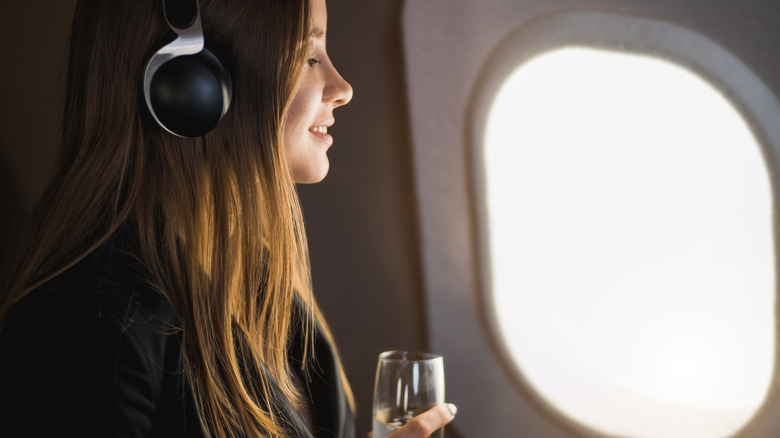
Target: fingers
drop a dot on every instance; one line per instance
(428, 422)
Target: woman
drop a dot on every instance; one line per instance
(162, 287)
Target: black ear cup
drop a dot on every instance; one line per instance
(190, 94)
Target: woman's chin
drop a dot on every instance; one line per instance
(311, 175)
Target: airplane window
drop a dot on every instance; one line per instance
(629, 215)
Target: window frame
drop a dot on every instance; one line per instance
(451, 206)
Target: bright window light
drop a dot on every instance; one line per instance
(630, 221)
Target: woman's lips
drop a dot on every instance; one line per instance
(321, 132)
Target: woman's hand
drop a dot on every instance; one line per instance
(426, 423)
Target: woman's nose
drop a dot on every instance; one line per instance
(337, 91)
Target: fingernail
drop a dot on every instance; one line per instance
(453, 409)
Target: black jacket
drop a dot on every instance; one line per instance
(96, 352)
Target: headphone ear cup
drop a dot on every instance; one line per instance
(190, 94)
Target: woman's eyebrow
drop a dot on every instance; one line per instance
(316, 32)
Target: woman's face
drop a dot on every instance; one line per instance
(322, 89)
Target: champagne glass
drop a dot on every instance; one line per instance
(407, 384)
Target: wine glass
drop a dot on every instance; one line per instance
(407, 384)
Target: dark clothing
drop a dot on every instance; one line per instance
(97, 352)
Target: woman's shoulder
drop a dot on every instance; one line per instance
(109, 285)
(102, 303)
(99, 331)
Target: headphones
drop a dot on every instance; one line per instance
(186, 87)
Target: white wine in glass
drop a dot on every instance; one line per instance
(407, 384)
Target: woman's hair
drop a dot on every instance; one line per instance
(216, 218)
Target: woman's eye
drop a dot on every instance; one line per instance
(313, 61)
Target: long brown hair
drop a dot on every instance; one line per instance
(216, 218)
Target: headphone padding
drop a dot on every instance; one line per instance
(190, 94)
